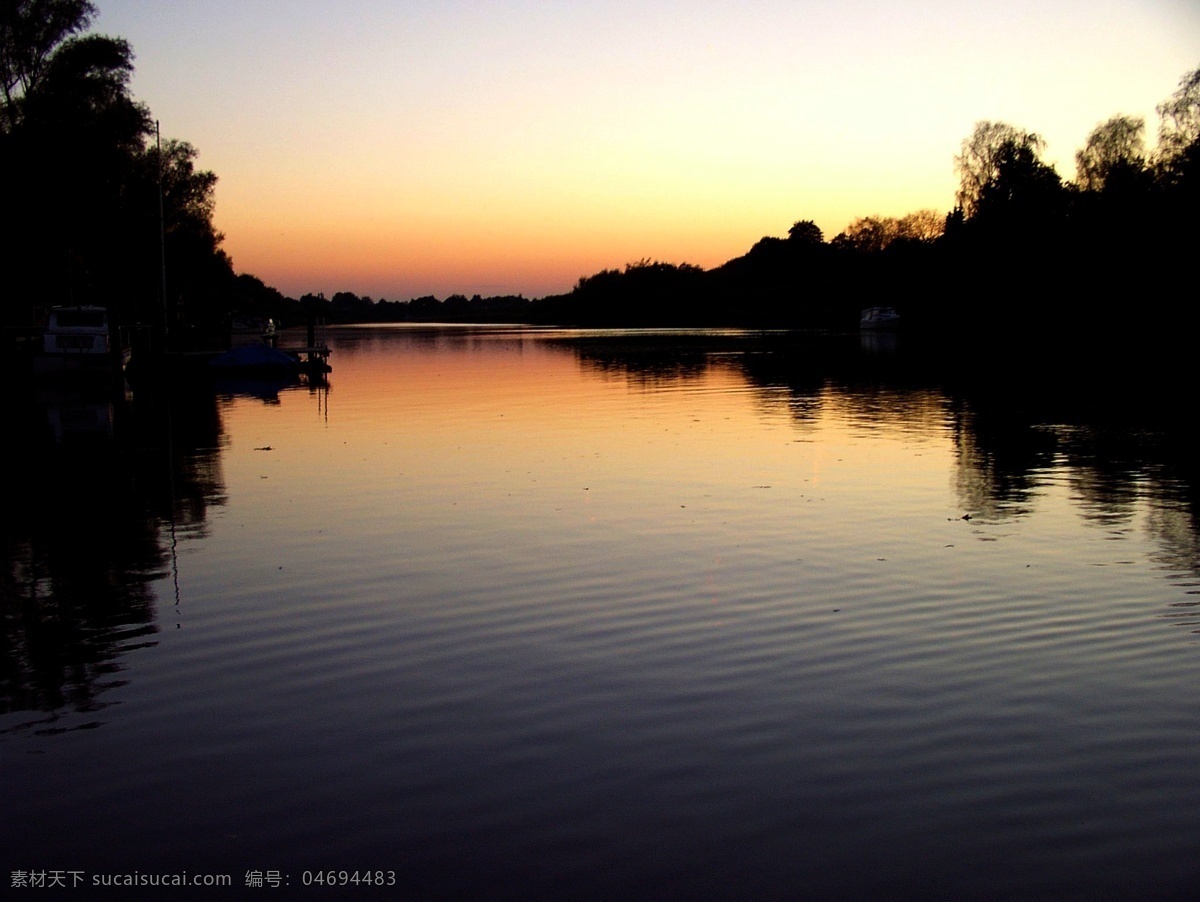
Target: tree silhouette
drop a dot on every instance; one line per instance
(1177, 162)
(872, 234)
(1114, 150)
(805, 231)
(867, 234)
(197, 270)
(1179, 118)
(1023, 188)
(31, 31)
(71, 135)
(978, 162)
(83, 184)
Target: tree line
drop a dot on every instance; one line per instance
(100, 209)
(103, 211)
(1023, 249)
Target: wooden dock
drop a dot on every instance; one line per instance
(311, 358)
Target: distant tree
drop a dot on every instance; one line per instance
(253, 297)
(1179, 117)
(1114, 149)
(1024, 193)
(805, 231)
(347, 307)
(646, 292)
(427, 307)
(456, 306)
(872, 234)
(867, 234)
(1177, 160)
(953, 226)
(979, 160)
(921, 225)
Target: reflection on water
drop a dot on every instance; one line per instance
(101, 490)
(655, 613)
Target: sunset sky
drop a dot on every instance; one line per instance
(397, 148)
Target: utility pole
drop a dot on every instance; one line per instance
(162, 232)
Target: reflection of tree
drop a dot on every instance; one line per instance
(1178, 535)
(646, 358)
(999, 455)
(1118, 438)
(85, 531)
(174, 435)
(80, 555)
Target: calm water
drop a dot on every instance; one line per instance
(670, 615)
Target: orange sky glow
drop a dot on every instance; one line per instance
(403, 149)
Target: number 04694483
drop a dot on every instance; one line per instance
(349, 878)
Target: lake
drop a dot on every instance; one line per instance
(539, 613)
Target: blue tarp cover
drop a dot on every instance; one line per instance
(254, 357)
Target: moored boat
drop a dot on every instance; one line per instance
(879, 318)
(78, 339)
(259, 358)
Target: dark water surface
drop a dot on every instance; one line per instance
(573, 614)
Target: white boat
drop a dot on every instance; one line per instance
(879, 318)
(78, 339)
